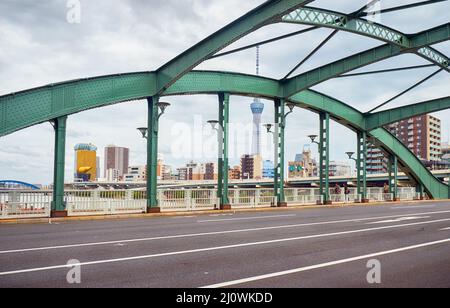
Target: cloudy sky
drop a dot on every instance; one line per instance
(38, 46)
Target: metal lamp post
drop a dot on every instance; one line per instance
(222, 192)
(155, 110)
(362, 191)
(279, 156)
(324, 187)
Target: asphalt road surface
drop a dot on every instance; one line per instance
(295, 248)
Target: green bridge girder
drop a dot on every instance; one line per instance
(76, 96)
(28, 108)
(267, 13)
(383, 118)
(316, 76)
(343, 22)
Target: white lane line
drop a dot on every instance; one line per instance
(323, 265)
(445, 229)
(148, 239)
(284, 240)
(413, 207)
(246, 218)
(400, 219)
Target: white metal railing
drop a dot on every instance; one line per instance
(25, 204)
(303, 196)
(187, 200)
(408, 193)
(108, 202)
(30, 204)
(251, 198)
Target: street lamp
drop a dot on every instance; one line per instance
(144, 130)
(350, 156)
(214, 124)
(269, 128)
(313, 139)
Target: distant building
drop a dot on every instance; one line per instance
(235, 173)
(136, 174)
(182, 174)
(196, 171)
(303, 166)
(116, 158)
(268, 169)
(296, 170)
(446, 153)
(340, 169)
(98, 168)
(160, 166)
(112, 175)
(211, 172)
(252, 167)
(421, 134)
(167, 173)
(85, 163)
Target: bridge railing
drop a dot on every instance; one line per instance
(108, 202)
(34, 204)
(25, 204)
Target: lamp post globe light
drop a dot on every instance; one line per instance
(350, 156)
(162, 107)
(313, 138)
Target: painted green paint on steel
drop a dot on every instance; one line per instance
(213, 82)
(39, 105)
(386, 117)
(267, 13)
(308, 99)
(414, 166)
(343, 22)
(341, 112)
(311, 78)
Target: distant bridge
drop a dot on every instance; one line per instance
(8, 184)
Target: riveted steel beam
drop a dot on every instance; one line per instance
(121, 89)
(311, 78)
(343, 22)
(383, 118)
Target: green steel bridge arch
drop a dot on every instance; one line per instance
(57, 101)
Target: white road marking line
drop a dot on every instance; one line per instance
(246, 218)
(445, 229)
(284, 240)
(323, 265)
(207, 233)
(413, 207)
(400, 219)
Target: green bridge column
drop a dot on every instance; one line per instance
(224, 121)
(324, 152)
(420, 191)
(362, 166)
(152, 155)
(395, 185)
(280, 126)
(391, 175)
(58, 204)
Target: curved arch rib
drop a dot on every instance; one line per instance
(72, 97)
(269, 12)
